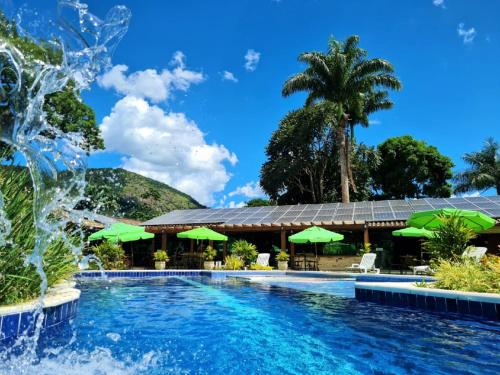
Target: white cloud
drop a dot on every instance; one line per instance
(467, 35)
(439, 3)
(252, 58)
(374, 122)
(467, 195)
(233, 204)
(151, 84)
(228, 76)
(249, 190)
(167, 147)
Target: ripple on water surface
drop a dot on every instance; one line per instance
(200, 326)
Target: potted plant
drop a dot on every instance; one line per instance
(209, 254)
(244, 250)
(161, 259)
(282, 259)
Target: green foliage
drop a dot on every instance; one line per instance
(282, 257)
(467, 275)
(65, 109)
(111, 255)
(260, 267)
(68, 113)
(245, 250)
(483, 171)
(160, 256)
(299, 166)
(450, 239)
(411, 169)
(209, 253)
(258, 202)
(233, 262)
(339, 248)
(20, 282)
(119, 193)
(366, 249)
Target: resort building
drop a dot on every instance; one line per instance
(372, 222)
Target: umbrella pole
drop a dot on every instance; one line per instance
(316, 255)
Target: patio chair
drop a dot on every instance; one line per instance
(263, 259)
(367, 264)
(475, 253)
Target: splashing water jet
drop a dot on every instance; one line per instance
(86, 44)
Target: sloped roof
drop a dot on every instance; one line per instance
(367, 211)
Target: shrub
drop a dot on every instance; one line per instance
(111, 255)
(467, 275)
(367, 248)
(282, 257)
(20, 282)
(450, 239)
(160, 256)
(260, 267)
(233, 263)
(210, 253)
(246, 251)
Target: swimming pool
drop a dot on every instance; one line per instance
(203, 326)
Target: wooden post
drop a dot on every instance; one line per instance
(211, 243)
(164, 241)
(366, 235)
(292, 250)
(283, 239)
(191, 247)
(224, 250)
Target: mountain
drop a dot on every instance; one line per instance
(120, 193)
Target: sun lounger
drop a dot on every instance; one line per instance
(263, 259)
(367, 264)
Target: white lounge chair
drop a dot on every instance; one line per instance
(475, 253)
(263, 259)
(367, 264)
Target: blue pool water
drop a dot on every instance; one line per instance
(200, 326)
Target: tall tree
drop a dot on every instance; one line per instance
(411, 169)
(353, 85)
(299, 158)
(484, 169)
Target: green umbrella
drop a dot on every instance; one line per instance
(202, 233)
(475, 220)
(314, 235)
(121, 232)
(412, 232)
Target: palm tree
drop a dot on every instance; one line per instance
(484, 169)
(352, 85)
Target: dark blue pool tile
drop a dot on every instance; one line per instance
(421, 302)
(397, 299)
(441, 304)
(475, 308)
(388, 298)
(489, 310)
(405, 299)
(463, 306)
(451, 305)
(357, 293)
(431, 303)
(412, 300)
(10, 325)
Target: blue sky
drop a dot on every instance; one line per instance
(170, 81)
